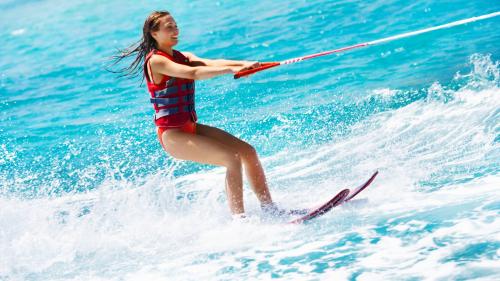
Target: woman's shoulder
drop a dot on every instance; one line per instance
(158, 57)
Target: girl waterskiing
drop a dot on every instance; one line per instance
(170, 76)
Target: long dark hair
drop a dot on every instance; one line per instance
(141, 48)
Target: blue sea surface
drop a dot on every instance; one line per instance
(87, 193)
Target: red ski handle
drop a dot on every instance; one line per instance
(262, 66)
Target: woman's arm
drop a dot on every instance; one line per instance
(162, 65)
(197, 61)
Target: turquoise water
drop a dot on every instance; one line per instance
(87, 194)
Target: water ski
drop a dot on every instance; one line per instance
(340, 198)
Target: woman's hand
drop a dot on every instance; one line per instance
(250, 65)
(245, 66)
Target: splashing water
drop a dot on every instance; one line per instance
(87, 194)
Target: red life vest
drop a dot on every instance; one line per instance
(172, 98)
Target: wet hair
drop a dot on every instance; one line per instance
(141, 48)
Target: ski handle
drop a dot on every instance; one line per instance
(264, 65)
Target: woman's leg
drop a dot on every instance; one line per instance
(253, 167)
(202, 149)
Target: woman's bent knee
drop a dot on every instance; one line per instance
(248, 152)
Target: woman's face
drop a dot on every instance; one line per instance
(167, 33)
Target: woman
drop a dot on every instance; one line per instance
(170, 76)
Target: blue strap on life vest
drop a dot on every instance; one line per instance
(174, 100)
(172, 90)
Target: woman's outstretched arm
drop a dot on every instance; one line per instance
(162, 65)
(197, 61)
